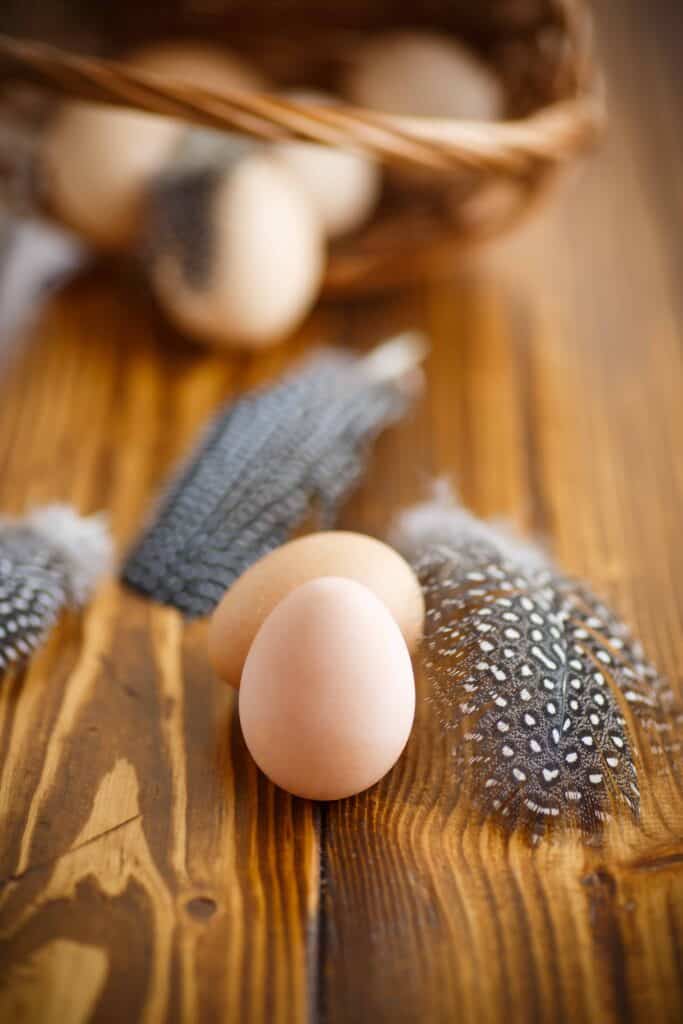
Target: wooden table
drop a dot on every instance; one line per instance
(147, 871)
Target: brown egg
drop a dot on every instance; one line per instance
(343, 185)
(238, 250)
(335, 553)
(98, 160)
(327, 698)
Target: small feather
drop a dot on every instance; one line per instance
(263, 461)
(34, 259)
(533, 673)
(48, 561)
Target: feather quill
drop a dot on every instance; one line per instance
(48, 561)
(263, 461)
(533, 672)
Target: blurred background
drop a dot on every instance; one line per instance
(454, 125)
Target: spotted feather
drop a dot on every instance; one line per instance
(533, 673)
(266, 461)
(48, 561)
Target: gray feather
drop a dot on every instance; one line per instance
(264, 460)
(48, 561)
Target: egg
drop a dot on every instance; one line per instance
(199, 63)
(327, 698)
(343, 185)
(238, 252)
(423, 74)
(97, 160)
(250, 600)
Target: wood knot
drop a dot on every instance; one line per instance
(602, 880)
(201, 908)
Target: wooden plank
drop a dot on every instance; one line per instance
(148, 872)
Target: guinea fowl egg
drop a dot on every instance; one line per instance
(343, 185)
(237, 249)
(98, 160)
(425, 75)
(327, 698)
(255, 594)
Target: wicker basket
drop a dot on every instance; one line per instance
(541, 49)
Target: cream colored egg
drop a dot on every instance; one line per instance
(200, 63)
(423, 74)
(344, 186)
(327, 698)
(255, 594)
(246, 266)
(97, 161)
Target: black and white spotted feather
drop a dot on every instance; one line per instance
(265, 459)
(534, 674)
(50, 560)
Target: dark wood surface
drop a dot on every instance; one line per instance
(147, 871)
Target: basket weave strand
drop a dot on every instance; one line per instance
(554, 134)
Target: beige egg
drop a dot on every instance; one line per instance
(344, 186)
(422, 74)
(200, 63)
(98, 160)
(327, 698)
(96, 163)
(256, 593)
(239, 253)
(425, 75)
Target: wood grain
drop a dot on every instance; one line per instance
(142, 856)
(147, 871)
(555, 400)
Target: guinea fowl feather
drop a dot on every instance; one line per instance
(48, 561)
(540, 680)
(263, 461)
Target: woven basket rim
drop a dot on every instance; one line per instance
(551, 134)
(522, 155)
